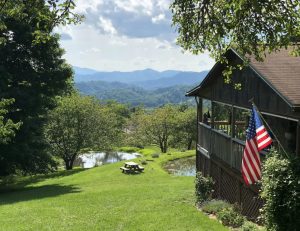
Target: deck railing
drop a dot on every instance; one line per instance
(216, 142)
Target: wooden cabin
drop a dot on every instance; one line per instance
(223, 114)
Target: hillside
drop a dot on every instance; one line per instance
(143, 87)
(130, 94)
(103, 198)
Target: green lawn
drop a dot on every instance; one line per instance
(103, 198)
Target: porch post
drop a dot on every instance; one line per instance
(212, 119)
(232, 131)
(199, 118)
(298, 139)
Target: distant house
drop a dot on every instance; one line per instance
(223, 113)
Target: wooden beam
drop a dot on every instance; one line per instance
(298, 139)
(232, 132)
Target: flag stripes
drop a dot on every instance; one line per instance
(257, 138)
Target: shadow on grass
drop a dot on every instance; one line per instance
(18, 182)
(38, 192)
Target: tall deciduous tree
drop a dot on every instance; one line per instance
(251, 26)
(157, 127)
(81, 123)
(32, 73)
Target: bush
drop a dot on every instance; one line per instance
(203, 187)
(250, 226)
(144, 162)
(155, 155)
(214, 206)
(129, 149)
(281, 192)
(230, 217)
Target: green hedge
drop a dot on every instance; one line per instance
(281, 192)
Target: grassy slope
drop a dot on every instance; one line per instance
(103, 198)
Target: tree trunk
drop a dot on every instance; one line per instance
(190, 144)
(165, 146)
(68, 164)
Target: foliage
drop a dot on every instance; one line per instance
(203, 187)
(253, 27)
(230, 217)
(129, 149)
(133, 95)
(104, 199)
(154, 127)
(169, 125)
(33, 73)
(7, 126)
(185, 132)
(80, 122)
(281, 192)
(214, 206)
(47, 13)
(250, 226)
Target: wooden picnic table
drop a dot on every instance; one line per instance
(132, 167)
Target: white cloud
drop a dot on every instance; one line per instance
(125, 35)
(106, 52)
(136, 6)
(158, 18)
(107, 26)
(82, 6)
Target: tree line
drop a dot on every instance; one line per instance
(82, 123)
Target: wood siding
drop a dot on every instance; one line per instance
(252, 86)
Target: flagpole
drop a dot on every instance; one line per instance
(253, 104)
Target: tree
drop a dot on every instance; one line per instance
(253, 27)
(80, 123)
(185, 128)
(32, 73)
(157, 126)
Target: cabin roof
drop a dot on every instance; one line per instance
(279, 70)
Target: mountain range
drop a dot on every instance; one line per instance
(148, 87)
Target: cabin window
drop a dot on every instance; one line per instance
(206, 109)
(222, 118)
(241, 117)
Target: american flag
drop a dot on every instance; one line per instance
(257, 138)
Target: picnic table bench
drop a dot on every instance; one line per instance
(132, 167)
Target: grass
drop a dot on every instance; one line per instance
(103, 198)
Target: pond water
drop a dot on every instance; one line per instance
(182, 167)
(89, 160)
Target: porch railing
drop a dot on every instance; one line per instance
(215, 142)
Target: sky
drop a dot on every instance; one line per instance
(127, 35)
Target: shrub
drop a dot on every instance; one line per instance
(155, 155)
(203, 187)
(144, 162)
(281, 192)
(230, 217)
(214, 206)
(250, 226)
(129, 149)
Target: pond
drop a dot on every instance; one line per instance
(90, 160)
(182, 167)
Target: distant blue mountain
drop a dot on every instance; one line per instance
(83, 71)
(179, 79)
(147, 79)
